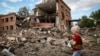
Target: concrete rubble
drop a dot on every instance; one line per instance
(33, 42)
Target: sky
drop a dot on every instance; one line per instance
(78, 7)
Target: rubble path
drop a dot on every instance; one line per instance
(40, 49)
(40, 44)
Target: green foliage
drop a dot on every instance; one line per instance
(23, 12)
(86, 22)
(96, 16)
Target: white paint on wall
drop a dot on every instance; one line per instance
(57, 6)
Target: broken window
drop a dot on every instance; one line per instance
(2, 28)
(2, 20)
(6, 27)
(6, 19)
(66, 12)
(11, 27)
(62, 15)
(11, 18)
(62, 8)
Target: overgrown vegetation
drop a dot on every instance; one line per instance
(23, 12)
(92, 21)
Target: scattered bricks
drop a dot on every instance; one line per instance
(37, 43)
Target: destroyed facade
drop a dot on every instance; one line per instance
(47, 14)
(52, 13)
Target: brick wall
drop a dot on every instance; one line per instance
(64, 14)
(8, 23)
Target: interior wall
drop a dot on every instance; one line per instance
(41, 12)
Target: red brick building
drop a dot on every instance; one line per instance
(54, 13)
(63, 14)
(8, 22)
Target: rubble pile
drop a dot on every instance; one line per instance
(38, 49)
(29, 42)
(91, 52)
(33, 42)
(90, 31)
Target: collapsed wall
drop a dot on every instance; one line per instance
(54, 13)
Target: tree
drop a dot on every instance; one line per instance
(96, 16)
(86, 22)
(23, 12)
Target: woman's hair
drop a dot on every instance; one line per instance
(75, 28)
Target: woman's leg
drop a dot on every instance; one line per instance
(76, 53)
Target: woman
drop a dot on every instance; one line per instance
(76, 43)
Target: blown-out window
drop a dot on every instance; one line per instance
(6, 19)
(11, 18)
(2, 20)
(11, 27)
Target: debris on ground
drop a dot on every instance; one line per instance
(32, 42)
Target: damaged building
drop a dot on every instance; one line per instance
(47, 14)
(52, 13)
(8, 22)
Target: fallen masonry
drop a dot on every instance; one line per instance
(32, 42)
